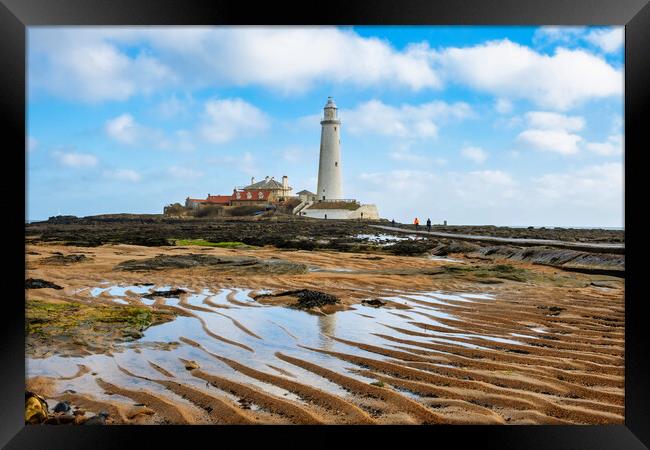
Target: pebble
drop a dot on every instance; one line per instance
(62, 407)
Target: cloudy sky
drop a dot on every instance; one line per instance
(473, 125)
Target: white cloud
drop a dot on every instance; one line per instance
(127, 131)
(503, 106)
(399, 181)
(418, 193)
(608, 40)
(293, 59)
(296, 154)
(184, 173)
(83, 65)
(613, 146)
(92, 64)
(76, 160)
(510, 70)
(245, 163)
(483, 188)
(98, 64)
(558, 34)
(402, 152)
(32, 144)
(551, 132)
(475, 154)
(174, 107)
(225, 120)
(553, 121)
(558, 141)
(405, 121)
(184, 140)
(595, 186)
(123, 129)
(587, 196)
(496, 177)
(222, 121)
(123, 175)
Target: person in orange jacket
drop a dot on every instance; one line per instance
(416, 222)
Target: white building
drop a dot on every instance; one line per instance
(278, 190)
(329, 202)
(329, 166)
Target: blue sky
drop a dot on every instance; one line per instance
(473, 125)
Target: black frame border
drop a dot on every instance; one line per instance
(16, 15)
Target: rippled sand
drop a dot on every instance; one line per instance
(441, 350)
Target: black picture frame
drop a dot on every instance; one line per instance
(16, 15)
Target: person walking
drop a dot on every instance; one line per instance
(393, 222)
(416, 222)
(429, 225)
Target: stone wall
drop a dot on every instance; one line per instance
(369, 212)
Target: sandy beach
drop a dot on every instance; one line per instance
(210, 335)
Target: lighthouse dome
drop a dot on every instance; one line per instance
(330, 103)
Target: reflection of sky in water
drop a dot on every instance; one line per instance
(276, 325)
(442, 258)
(120, 291)
(381, 237)
(524, 336)
(479, 296)
(340, 269)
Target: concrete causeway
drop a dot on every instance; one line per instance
(600, 247)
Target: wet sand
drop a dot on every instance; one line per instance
(446, 346)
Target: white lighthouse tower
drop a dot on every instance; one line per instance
(329, 166)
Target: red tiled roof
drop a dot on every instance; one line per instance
(220, 199)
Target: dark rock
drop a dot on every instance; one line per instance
(307, 298)
(191, 365)
(454, 247)
(172, 293)
(551, 308)
(225, 263)
(60, 419)
(245, 403)
(604, 284)
(99, 419)
(565, 259)
(60, 259)
(62, 407)
(375, 303)
(410, 248)
(36, 283)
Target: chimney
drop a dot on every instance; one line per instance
(285, 182)
(252, 180)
